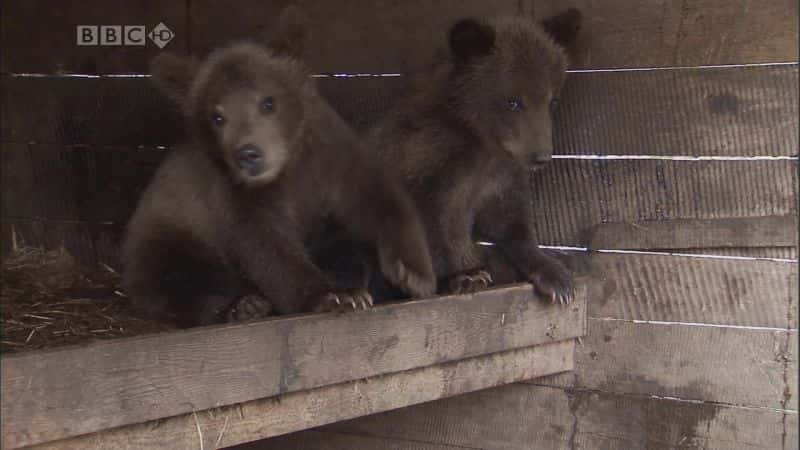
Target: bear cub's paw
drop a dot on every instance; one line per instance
(249, 307)
(469, 282)
(553, 281)
(344, 301)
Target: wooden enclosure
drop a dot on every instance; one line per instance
(675, 180)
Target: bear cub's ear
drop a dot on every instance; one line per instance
(564, 27)
(470, 38)
(173, 75)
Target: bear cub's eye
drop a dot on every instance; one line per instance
(514, 105)
(268, 104)
(217, 119)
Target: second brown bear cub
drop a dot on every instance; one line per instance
(223, 230)
(465, 144)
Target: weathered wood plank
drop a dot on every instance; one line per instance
(726, 365)
(108, 111)
(718, 112)
(768, 231)
(328, 440)
(73, 391)
(791, 439)
(723, 111)
(694, 290)
(787, 253)
(523, 417)
(40, 36)
(403, 36)
(571, 197)
(286, 413)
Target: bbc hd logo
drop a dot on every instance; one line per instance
(127, 35)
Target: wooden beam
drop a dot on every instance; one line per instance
(39, 36)
(671, 234)
(697, 363)
(572, 197)
(521, 417)
(300, 410)
(63, 393)
(694, 290)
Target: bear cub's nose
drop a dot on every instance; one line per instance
(250, 160)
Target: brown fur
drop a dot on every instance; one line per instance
(215, 227)
(465, 155)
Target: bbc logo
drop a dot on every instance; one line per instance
(119, 35)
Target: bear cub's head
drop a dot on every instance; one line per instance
(247, 103)
(507, 76)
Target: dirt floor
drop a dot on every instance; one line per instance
(48, 300)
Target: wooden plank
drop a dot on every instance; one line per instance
(768, 231)
(694, 290)
(789, 353)
(523, 417)
(404, 36)
(294, 411)
(769, 30)
(571, 197)
(722, 111)
(725, 365)
(791, 439)
(712, 112)
(40, 36)
(328, 440)
(73, 391)
(787, 253)
(8, 244)
(108, 111)
(516, 416)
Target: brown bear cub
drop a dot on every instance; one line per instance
(465, 142)
(223, 231)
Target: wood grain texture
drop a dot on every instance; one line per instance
(63, 393)
(523, 417)
(725, 365)
(329, 440)
(571, 197)
(787, 253)
(40, 36)
(711, 112)
(694, 290)
(286, 413)
(676, 234)
(400, 36)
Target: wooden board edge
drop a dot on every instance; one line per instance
(46, 415)
(675, 234)
(259, 419)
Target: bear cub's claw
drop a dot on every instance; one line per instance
(554, 282)
(249, 307)
(345, 301)
(470, 282)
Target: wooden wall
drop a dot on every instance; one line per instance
(682, 352)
